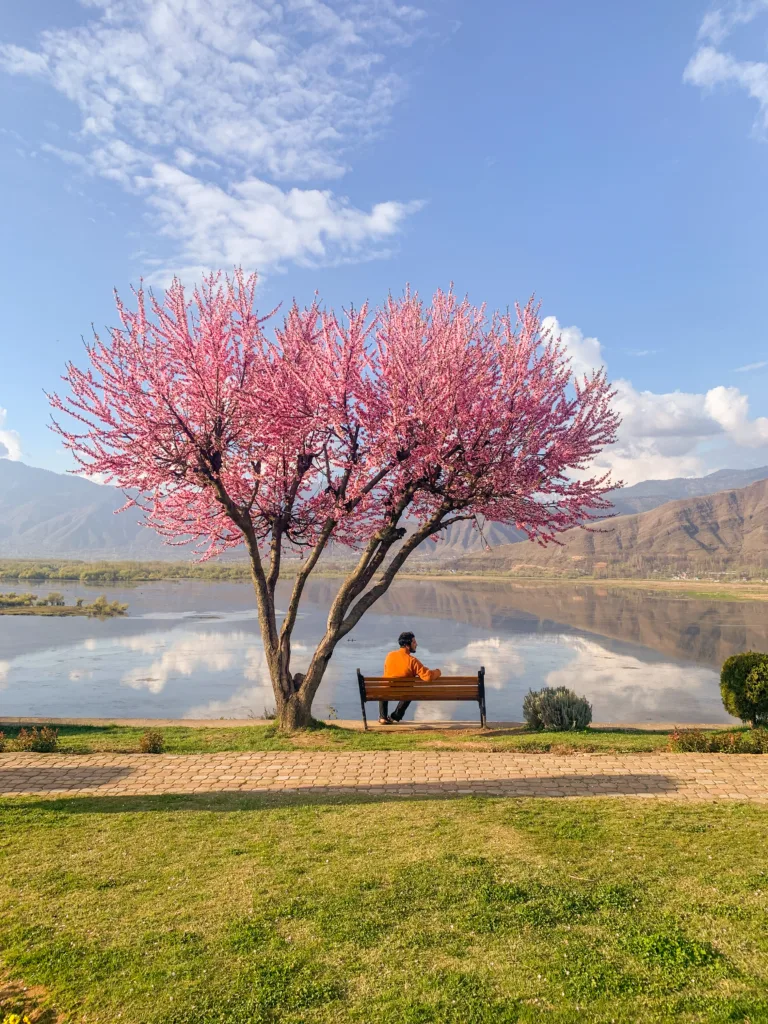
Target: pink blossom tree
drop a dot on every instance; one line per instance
(372, 430)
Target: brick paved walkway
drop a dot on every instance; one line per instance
(397, 773)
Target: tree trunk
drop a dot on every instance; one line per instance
(295, 712)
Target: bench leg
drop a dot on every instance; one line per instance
(481, 702)
(361, 687)
(482, 714)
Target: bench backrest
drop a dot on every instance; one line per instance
(444, 688)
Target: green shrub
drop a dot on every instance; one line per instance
(40, 741)
(689, 741)
(744, 687)
(694, 740)
(151, 742)
(2, 742)
(556, 709)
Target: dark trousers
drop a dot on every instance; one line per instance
(399, 711)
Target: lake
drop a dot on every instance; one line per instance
(192, 649)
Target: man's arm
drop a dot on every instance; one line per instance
(428, 675)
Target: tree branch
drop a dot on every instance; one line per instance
(367, 600)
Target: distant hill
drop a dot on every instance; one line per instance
(45, 514)
(651, 493)
(727, 530)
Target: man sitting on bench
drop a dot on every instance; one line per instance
(401, 664)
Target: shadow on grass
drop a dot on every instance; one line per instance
(540, 787)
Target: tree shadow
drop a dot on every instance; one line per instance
(34, 779)
(223, 799)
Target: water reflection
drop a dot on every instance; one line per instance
(193, 650)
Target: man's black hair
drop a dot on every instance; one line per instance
(405, 639)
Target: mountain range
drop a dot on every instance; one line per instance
(723, 531)
(47, 515)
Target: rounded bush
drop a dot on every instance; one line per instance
(151, 742)
(556, 709)
(744, 687)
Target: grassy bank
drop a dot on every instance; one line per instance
(84, 739)
(467, 911)
(106, 611)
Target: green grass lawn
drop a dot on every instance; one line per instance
(235, 910)
(83, 739)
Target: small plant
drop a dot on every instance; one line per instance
(556, 709)
(152, 742)
(270, 714)
(39, 741)
(744, 687)
(14, 1018)
(2, 742)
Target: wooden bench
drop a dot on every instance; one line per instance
(444, 688)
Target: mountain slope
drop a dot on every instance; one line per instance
(652, 493)
(727, 530)
(44, 514)
(48, 514)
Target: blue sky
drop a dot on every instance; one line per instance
(611, 158)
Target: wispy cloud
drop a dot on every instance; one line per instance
(720, 22)
(710, 66)
(751, 366)
(641, 353)
(223, 102)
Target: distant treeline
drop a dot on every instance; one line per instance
(119, 572)
(133, 572)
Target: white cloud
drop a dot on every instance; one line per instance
(710, 67)
(258, 224)
(173, 92)
(661, 435)
(10, 442)
(5, 668)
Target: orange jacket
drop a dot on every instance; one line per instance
(401, 664)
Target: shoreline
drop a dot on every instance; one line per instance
(354, 724)
(109, 574)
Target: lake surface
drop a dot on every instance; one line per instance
(192, 650)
